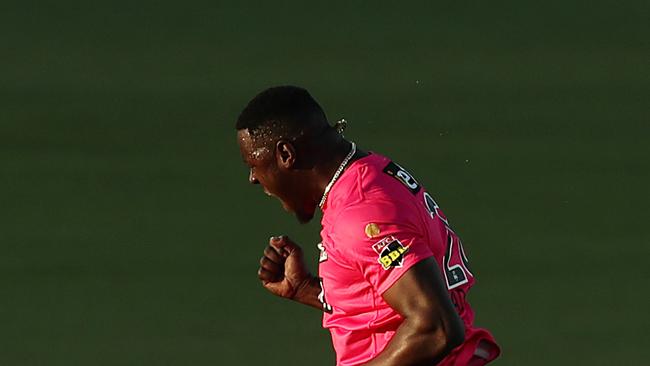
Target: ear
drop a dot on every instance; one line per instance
(285, 154)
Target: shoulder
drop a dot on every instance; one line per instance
(370, 191)
(372, 180)
(362, 219)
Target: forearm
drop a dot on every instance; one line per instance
(308, 291)
(415, 344)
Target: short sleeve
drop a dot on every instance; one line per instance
(381, 240)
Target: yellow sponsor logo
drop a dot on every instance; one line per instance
(393, 257)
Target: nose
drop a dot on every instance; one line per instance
(251, 178)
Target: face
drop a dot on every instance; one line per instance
(271, 169)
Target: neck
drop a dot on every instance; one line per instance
(332, 160)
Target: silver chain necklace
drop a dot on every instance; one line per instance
(338, 172)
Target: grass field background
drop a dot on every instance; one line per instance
(129, 234)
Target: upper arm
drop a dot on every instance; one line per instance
(421, 296)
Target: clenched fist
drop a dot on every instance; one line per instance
(282, 269)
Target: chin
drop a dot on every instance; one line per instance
(305, 214)
(304, 218)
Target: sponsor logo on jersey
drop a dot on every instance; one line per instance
(321, 297)
(322, 257)
(391, 252)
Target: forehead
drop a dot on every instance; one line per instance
(251, 149)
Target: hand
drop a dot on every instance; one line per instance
(282, 269)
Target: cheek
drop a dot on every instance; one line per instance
(269, 181)
(281, 186)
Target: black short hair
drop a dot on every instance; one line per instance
(285, 111)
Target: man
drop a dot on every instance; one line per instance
(393, 274)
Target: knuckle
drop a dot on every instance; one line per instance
(263, 274)
(268, 251)
(269, 265)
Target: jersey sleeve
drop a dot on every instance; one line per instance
(381, 240)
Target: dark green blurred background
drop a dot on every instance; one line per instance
(129, 234)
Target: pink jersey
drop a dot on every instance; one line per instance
(378, 221)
